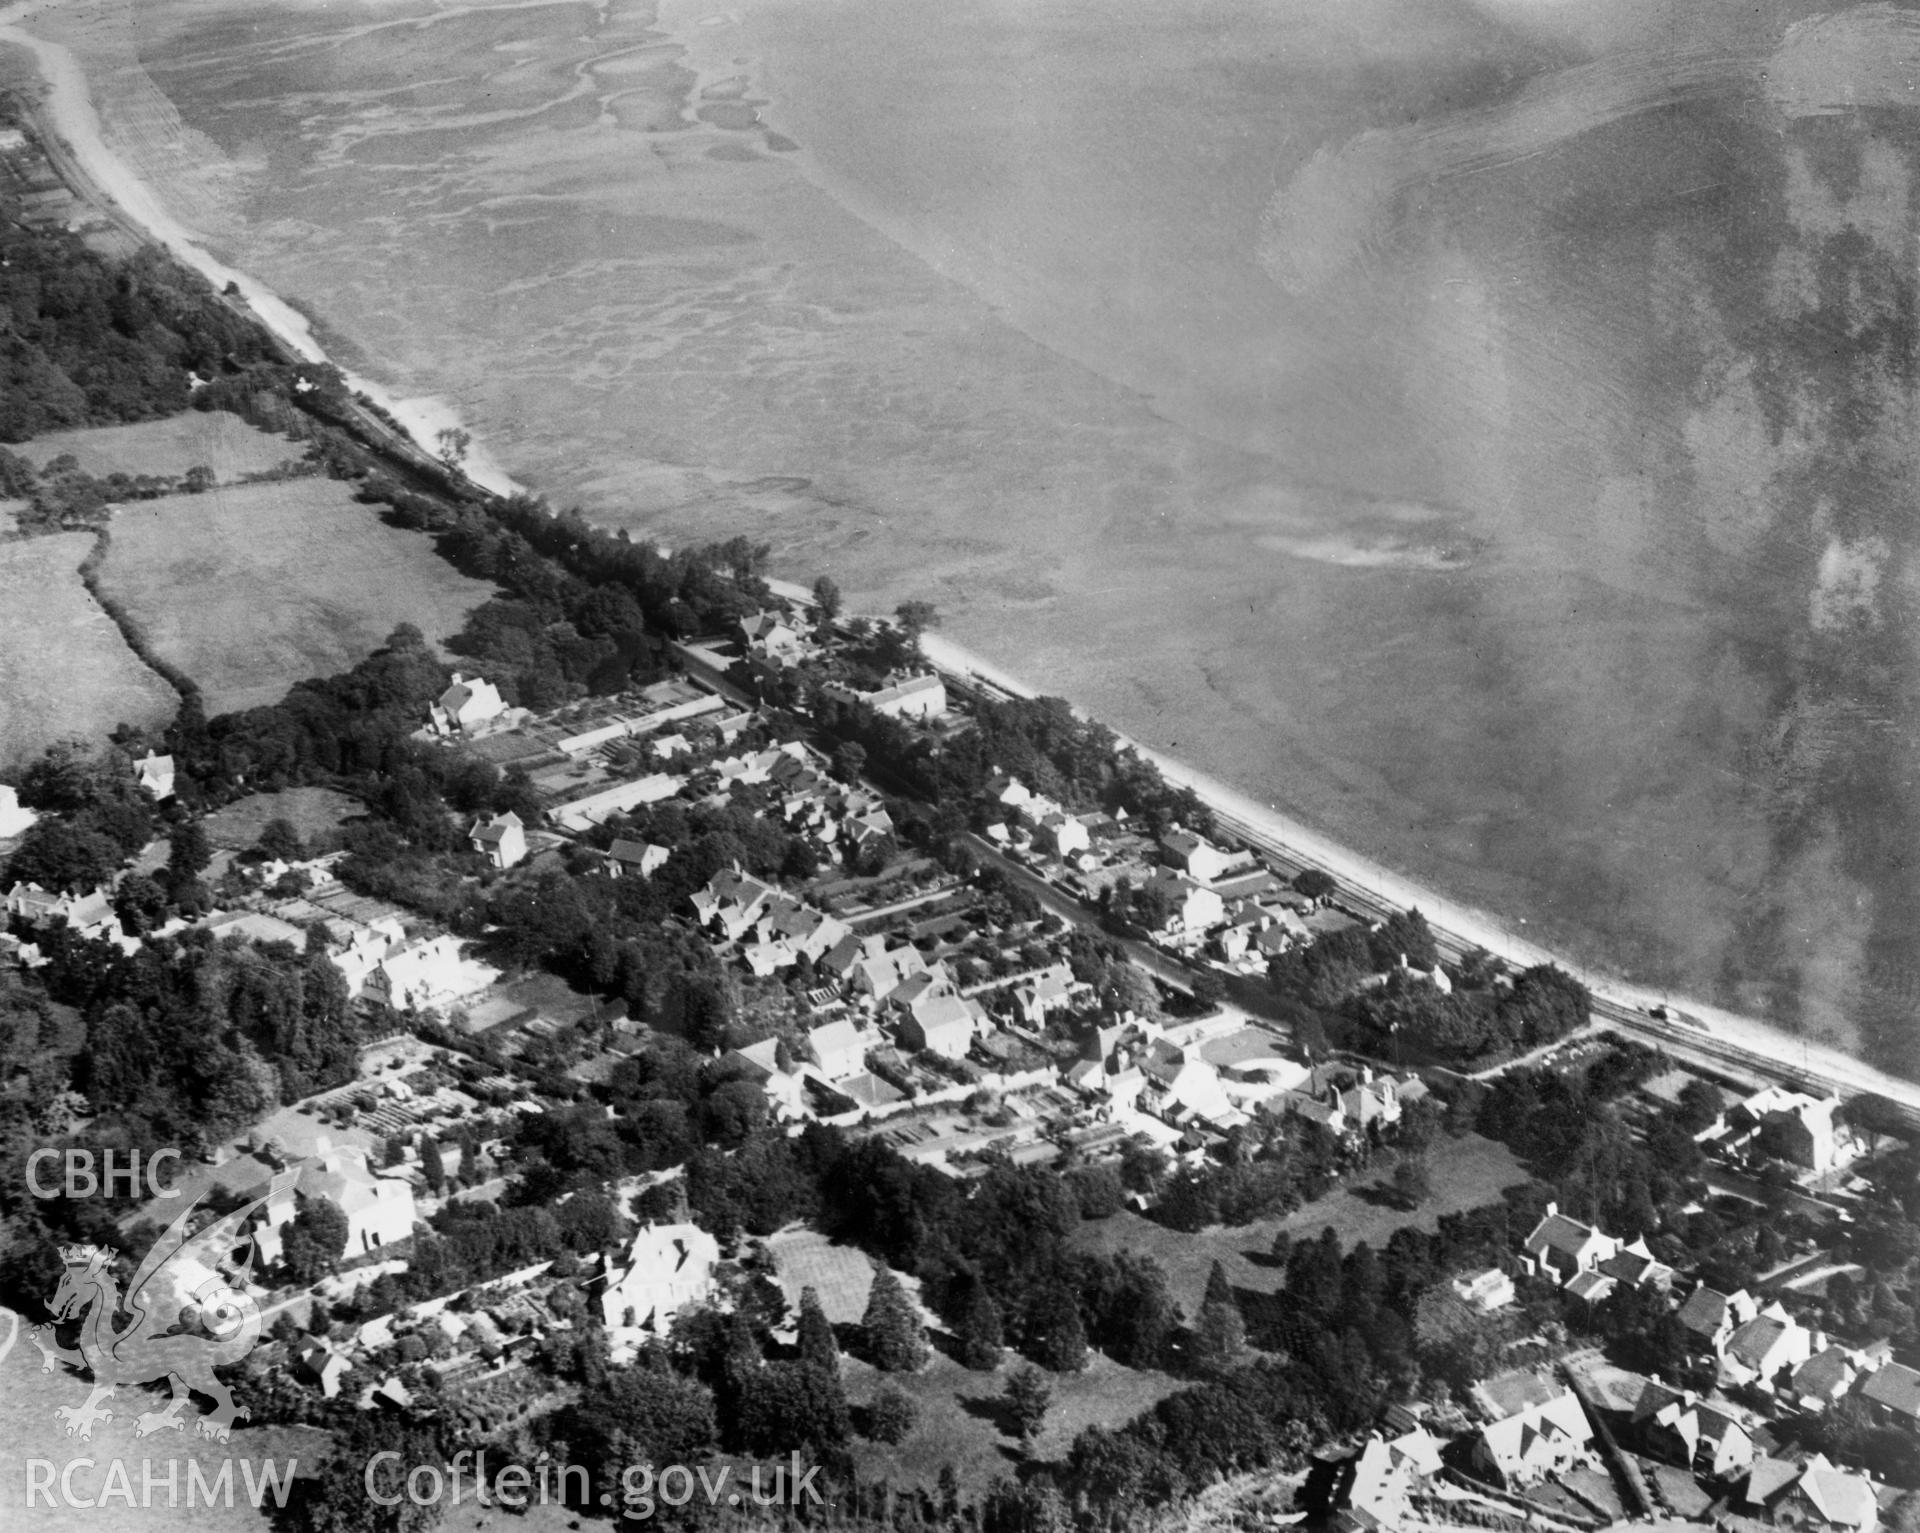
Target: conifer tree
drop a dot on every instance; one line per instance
(1219, 1337)
(432, 1166)
(1027, 1398)
(896, 1341)
(817, 1345)
(981, 1338)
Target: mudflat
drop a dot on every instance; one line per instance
(1472, 542)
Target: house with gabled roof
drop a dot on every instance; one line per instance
(921, 697)
(1061, 834)
(1635, 1266)
(1197, 857)
(1893, 1390)
(379, 1209)
(810, 931)
(1182, 1082)
(639, 858)
(154, 775)
(838, 1048)
(1813, 1496)
(1193, 908)
(1824, 1378)
(935, 979)
(1676, 1425)
(839, 960)
(1039, 997)
(1535, 1443)
(1759, 1350)
(863, 829)
(941, 1023)
(430, 972)
(1711, 1317)
(1378, 1100)
(880, 975)
(468, 703)
(89, 915)
(771, 640)
(1371, 1494)
(502, 840)
(321, 1364)
(1785, 1124)
(1562, 1247)
(668, 1267)
(731, 902)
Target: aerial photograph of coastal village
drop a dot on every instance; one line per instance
(1013, 766)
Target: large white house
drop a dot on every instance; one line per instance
(427, 973)
(1535, 1443)
(838, 1048)
(154, 773)
(13, 819)
(87, 915)
(1562, 1247)
(379, 1209)
(903, 697)
(502, 839)
(467, 704)
(669, 1267)
(1788, 1125)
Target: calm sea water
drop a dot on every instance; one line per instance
(1483, 430)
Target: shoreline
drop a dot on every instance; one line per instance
(66, 106)
(69, 115)
(1450, 918)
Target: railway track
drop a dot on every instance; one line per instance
(1687, 1039)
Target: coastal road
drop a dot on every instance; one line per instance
(1768, 1056)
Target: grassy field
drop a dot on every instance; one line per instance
(841, 1275)
(960, 1423)
(250, 589)
(315, 812)
(214, 439)
(29, 1431)
(64, 669)
(1466, 1173)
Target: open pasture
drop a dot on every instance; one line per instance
(65, 672)
(215, 439)
(249, 589)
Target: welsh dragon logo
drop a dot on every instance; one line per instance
(153, 1345)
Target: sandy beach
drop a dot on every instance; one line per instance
(1471, 926)
(70, 108)
(68, 104)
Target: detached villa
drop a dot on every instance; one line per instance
(1535, 1443)
(668, 1267)
(154, 774)
(466, 705)
(502, 840)
(903, 697)
(379, 1209)
(1561, 1248)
